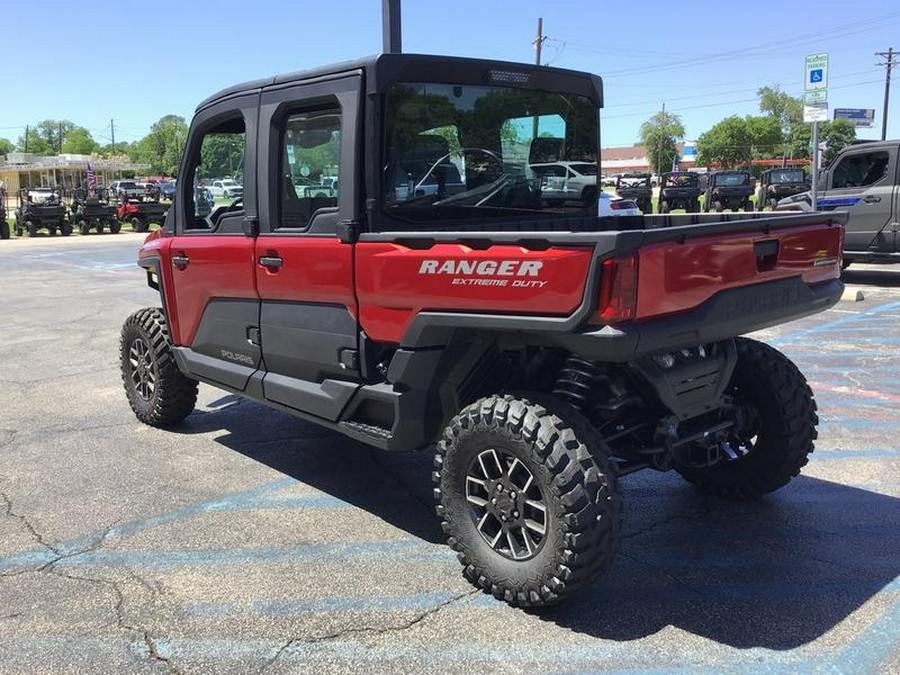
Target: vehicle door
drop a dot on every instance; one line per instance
(863, 182)
(214, 310)
(304, 273)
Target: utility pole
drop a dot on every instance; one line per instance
(59, 149)
(112, 133)
(538, 42)
(26, 137)
(390, 26)
(659, 145)
(888, 56)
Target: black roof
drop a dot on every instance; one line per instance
(428, 67)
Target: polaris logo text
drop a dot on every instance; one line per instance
(240, 358)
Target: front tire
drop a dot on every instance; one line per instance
(4, 230)
(158, 392)
(778, 426)
(527, 498)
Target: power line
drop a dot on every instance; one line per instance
(769, 47)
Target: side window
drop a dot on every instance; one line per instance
(220, 161)
(860, 170)
(310, 156)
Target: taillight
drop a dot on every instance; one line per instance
(618, 289)
(621, 204)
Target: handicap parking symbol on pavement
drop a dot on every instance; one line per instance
(815, 75)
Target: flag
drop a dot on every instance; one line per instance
(91, 178)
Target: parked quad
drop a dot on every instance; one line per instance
(4, 226)
(777, 184)
(679, 190)
(636, 186)
(729, 190)
(41, 208)
(143, 211)
(90, 208)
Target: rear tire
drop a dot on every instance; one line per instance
(779, 426)
(65, 228)
(138, 225)
(543, 468)
(4, 230)
(159, 394)
(115, 226)
(84, 227)
(32, 228)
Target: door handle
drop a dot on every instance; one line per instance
(271, 262)
(180, 260)
(872, 199)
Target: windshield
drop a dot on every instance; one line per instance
(471, 151)
(788, 176)
(732, 179)
(680, 180)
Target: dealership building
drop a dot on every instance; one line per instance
(21, 169)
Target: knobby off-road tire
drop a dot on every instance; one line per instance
(527, 451)
(158, 392)
(779, 426)
(4, 230)
(115, 226)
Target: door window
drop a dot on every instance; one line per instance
(860, 170)
(219, 154)
(310, 156)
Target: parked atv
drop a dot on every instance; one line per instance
(679, 190)
(142, 212)
(730, 190)
(41, 207)
(636, 186)
(91, 209)
(4, 226)
(780, 183)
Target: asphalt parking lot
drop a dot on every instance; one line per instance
(248, 541)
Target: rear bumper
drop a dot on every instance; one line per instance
(726, 314)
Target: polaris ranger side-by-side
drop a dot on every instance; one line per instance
(541, 351)
(729, 190)
(636, 186)
(679, 190)
(776, 184)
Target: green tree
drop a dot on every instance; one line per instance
(79, 142)
(222, 155)
(837, 134)
(785, 108)
(163, 146)
(45, 137)
(766, 137)
(6, 146)
(729, 143)
(659, 135)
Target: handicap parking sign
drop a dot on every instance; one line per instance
(816, 75)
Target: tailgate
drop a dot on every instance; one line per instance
(674, 276)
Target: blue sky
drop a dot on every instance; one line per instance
(135, 62)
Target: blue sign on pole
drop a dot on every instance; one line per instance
(861, 117)
(816, 75)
